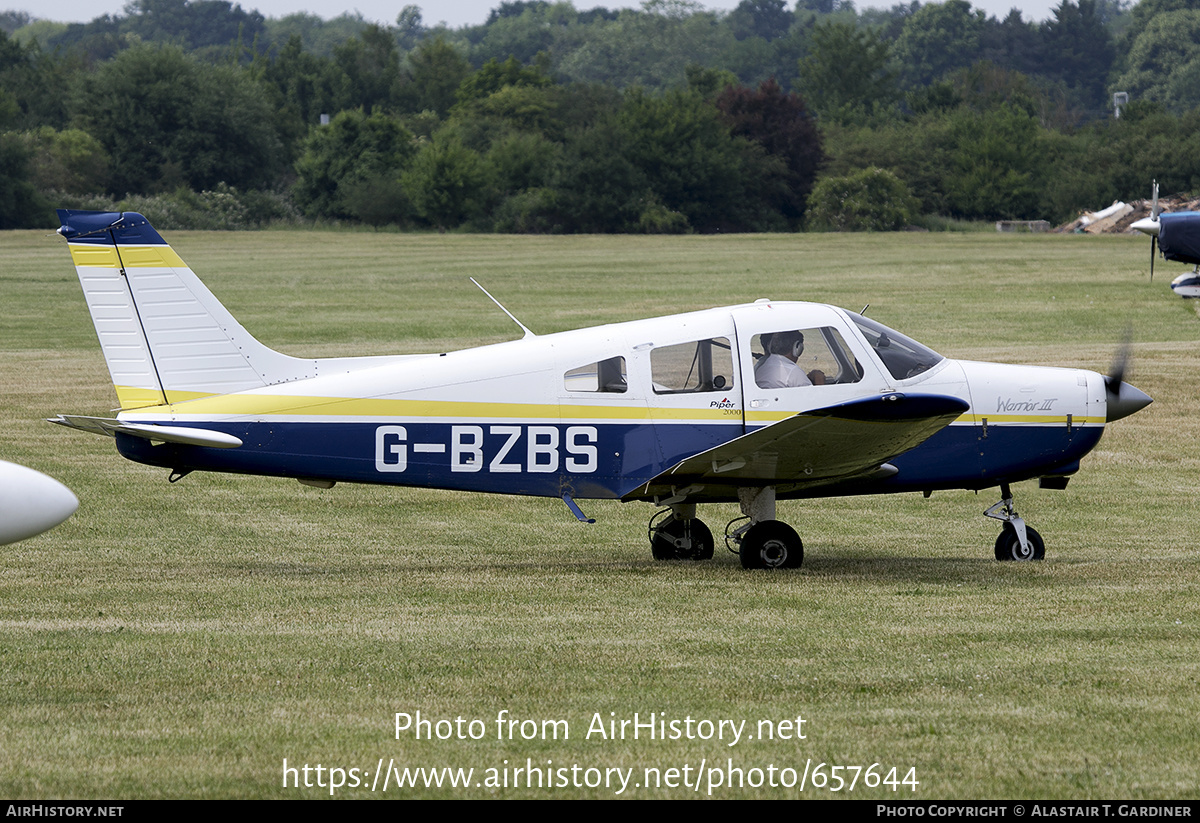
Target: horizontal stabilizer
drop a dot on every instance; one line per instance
(812, 448)
(167, 434)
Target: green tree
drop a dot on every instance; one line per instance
(1164, 63)
(936, 39)
(846, 75)
(69, 161)
(446, 183)
(358, 157)
(996, 165)
(781, 124)
(867, 200)
(35, 80)
(501, 98)
(1145, 11)
(600, 188)
(301, 87)
(318, 36)
(436, 69)
(10, 20)
(684, 148)
(20, 206)
(195, 24)
(1012, 43)
(651, 47)
(495, 75)
(410, 27)
(1077, 51)
(526, 30)
(167, 120)
(768, 19)
(371, 64)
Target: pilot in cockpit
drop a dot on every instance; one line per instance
(778, 368)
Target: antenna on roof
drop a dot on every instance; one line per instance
(511, 316)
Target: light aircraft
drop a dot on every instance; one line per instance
(31, 502)
(668, 410)
(1177, 235)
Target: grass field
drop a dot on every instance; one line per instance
(183, 640)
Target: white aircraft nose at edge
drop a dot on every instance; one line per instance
(31, 502)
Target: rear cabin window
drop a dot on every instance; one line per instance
(601, 376)
(702, 366)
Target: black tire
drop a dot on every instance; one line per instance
(771, 544)
(1008, 547)
(682, 540)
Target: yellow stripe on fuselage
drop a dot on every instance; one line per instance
(1037, 419)
(87, 254)
(964, 419)
(266, 405)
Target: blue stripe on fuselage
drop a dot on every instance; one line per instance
(598, 460)
(543, 459)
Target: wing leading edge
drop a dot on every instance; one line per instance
(813, 448)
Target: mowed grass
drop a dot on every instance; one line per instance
(182, 640)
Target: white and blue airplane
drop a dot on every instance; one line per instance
(748, 404)
(1177, 236)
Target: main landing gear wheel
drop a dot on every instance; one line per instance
(771, 544)
(1008, 545)
(678, 539)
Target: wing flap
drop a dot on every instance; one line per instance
(816, 447)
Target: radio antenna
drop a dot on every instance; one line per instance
(511, 316)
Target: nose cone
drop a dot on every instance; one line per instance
(31, 502)
(1124, 400)
(1147, 225)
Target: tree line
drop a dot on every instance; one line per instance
(546, 118)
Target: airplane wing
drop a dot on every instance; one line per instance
(813, 448)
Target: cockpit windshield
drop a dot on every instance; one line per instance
(903, 356)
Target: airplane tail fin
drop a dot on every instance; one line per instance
(165, 337)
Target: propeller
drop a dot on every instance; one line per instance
(1123, 399)
(1150, 225)
(1154, 210)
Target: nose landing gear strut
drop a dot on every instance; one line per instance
(1017, 541)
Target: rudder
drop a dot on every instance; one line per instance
(165, 337)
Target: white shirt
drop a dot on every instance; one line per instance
(777, 372)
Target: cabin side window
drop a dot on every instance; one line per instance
(602, 376)
(702, 366)
(803, 357)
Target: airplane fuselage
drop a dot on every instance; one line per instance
(532, 416)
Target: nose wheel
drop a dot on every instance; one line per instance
(1017, 541)
(1009, 547)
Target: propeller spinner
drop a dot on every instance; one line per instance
(1123, 399)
